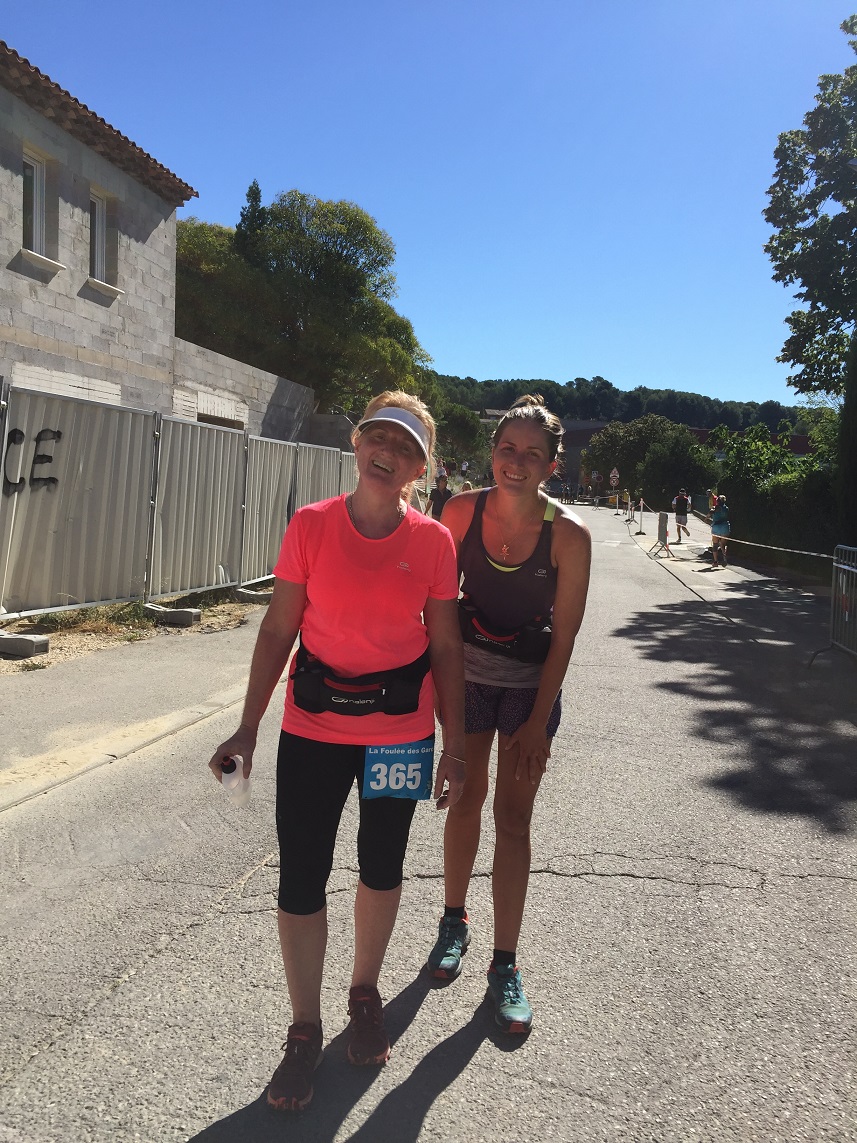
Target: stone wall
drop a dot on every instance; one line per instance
(61, 334)
(209, 384)
(51, 319)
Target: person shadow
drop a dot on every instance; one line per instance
(339, 1087)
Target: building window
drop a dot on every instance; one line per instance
(97, 237)
(34, 204)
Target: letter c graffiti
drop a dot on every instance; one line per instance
(13, 437)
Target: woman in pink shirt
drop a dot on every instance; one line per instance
(370, 585)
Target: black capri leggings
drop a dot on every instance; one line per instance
(313, 782)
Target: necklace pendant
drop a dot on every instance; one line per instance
(504, 550)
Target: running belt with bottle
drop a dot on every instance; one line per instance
(507, 610)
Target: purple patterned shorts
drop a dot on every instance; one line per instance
(503, 708)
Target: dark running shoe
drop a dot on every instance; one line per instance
(511, 1008)
(290, 1088)
(453, 937)
(368, 1042)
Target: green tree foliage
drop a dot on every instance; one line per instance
(813, 209)
(752, 457)
(676, 460)
(215, 291)
(302, 288)
(624, 446)
(461, 434)
(654, 455)
(599, 400)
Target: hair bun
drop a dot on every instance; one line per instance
(528, 399)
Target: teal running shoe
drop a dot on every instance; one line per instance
(511, 1008)
(453, 937)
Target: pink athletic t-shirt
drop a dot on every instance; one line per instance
(365, 600)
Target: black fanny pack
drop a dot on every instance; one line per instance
(318, 689)
(527, 644)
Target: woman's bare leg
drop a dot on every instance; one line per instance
(303, 942)
(513, 811)
(463, 820)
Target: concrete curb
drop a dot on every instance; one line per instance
(18, 786)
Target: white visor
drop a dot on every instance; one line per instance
(406, 420)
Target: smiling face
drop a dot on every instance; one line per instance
(521, 457)
(388, 456)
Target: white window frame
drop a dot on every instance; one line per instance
(98, 237)
(38, 166)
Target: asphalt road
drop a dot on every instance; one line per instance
(689, 941)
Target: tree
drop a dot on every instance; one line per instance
(751, 458)
(623, 446)
(301, 288)
(813, 209)
(461, 434)
(676, 460)
(216, 289)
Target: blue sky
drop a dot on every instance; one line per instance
(573, 188)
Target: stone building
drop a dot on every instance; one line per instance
(87, 272)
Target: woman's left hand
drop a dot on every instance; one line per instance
(450, 773)
(534, 749)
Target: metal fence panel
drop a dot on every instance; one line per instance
(347, 472)
(317, 475)
(270, 481)
(843, 603)
(75, 502)
(196, 535)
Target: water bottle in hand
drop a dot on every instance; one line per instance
(234, 783)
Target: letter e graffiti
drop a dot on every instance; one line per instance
(13, 437)
(43, 458)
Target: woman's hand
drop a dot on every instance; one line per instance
(534, 749)
(241, 744)
(450, 773)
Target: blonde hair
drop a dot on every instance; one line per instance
(531, 407)
(466, 486)
(398, 399)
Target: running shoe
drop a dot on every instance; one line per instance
(511, 1009)
(453, 937)
(368, 1042)
(290, 1088)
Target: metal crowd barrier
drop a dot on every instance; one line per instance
(103, 504)
(843, 603)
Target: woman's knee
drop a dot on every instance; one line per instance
(512, 821)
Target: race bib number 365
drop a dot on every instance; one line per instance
(403, 771)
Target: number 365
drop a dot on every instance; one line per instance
(396, 776)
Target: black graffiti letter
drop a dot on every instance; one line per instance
(13, 437)
(43, 458)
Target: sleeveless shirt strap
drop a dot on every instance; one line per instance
(550, 511)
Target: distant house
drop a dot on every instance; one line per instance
(87, 271)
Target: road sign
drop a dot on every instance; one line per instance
(614, 472)
(614, 479)
(597, 478)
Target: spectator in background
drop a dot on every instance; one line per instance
(438, 497)
(466, 486)
(681, 507)
(720, 528)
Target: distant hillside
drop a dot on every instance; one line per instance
(599, 400)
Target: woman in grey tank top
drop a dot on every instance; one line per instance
(521, 556)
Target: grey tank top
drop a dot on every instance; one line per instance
(508, 597)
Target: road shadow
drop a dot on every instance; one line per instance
(339, 1087)
(750, 681)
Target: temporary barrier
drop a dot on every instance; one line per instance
(270, 479)
(843, 603)
(317, 475)
(347, 472)
(74, 524)
(104, 504)
(196, 531)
